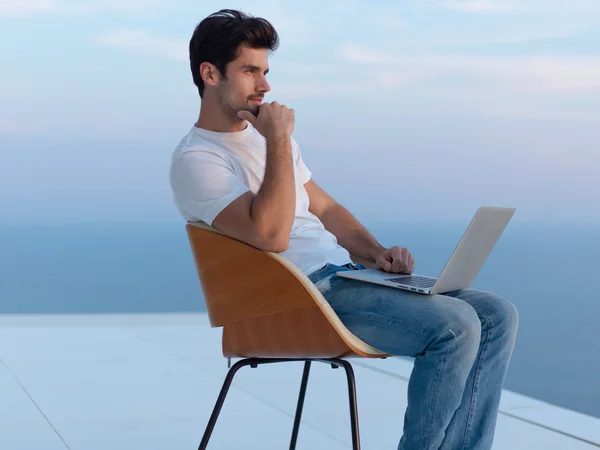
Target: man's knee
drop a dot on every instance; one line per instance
(464, 319)
(510, 313)
(458, 320)
(499, 313)
(506, 318)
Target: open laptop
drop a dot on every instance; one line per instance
(463, 266)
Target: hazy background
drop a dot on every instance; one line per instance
(445, 104)
(412, 114)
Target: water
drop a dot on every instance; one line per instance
(548, 272)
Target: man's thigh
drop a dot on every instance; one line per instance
(396, 321)
(491, 308)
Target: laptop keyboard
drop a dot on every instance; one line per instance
(414, 280)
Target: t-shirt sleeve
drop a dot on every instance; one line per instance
(304, 174)
(204, 184)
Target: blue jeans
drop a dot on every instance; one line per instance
(462, 344)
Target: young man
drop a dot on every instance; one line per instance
(240, 170)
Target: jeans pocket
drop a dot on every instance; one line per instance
(352, 266)
(314, 277)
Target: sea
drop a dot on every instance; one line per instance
(550, 272)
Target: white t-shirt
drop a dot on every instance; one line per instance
(210, 169)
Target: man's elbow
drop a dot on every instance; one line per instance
(277, 243)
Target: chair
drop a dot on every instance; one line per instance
(265, 314)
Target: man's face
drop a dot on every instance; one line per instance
(246, 84)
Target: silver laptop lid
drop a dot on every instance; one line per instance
(474, 248)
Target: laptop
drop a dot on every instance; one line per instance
(463, 266)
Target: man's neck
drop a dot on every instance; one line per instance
(213, 118)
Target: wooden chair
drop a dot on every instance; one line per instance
(270, 312)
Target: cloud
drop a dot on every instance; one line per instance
(10, 126)
(95, 6)
(70, 7)
(506, 34)
(141, 41)
(545, 7)
(359, 54)
(25, 7)
(517, 22)
(534, 87)
(484, 6)
(333, 85)
(532, 73)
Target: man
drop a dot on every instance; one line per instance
(240, 170)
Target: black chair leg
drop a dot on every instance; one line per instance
(353, 405)
(255, 362)
(220, 400)
(300, 405)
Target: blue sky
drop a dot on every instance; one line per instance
(438, 106)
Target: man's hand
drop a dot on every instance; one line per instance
(396, 260)
(273, 120)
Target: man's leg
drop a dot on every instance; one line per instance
(442, 333)
(474, 423)
(456, 346)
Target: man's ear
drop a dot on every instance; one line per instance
(209, 73)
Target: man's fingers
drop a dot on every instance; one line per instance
(397, 260)
(247, 115)
(406, 268)
(383, 263)
(405, 260)
(396, 255)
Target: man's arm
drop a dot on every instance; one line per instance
(265, 219)
(350, 233)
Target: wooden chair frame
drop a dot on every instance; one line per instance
(271, 312)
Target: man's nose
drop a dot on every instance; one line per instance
(263, 86)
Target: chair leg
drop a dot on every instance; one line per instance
(353, 406)
(300, 405)
(221, 399)
(254, 362)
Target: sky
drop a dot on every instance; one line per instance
(405, 111)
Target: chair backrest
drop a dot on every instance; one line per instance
(242, 283)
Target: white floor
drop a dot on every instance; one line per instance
(150, 382)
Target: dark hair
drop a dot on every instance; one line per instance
(217, 40)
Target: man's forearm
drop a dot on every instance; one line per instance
(350, 233)
(275, 203)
